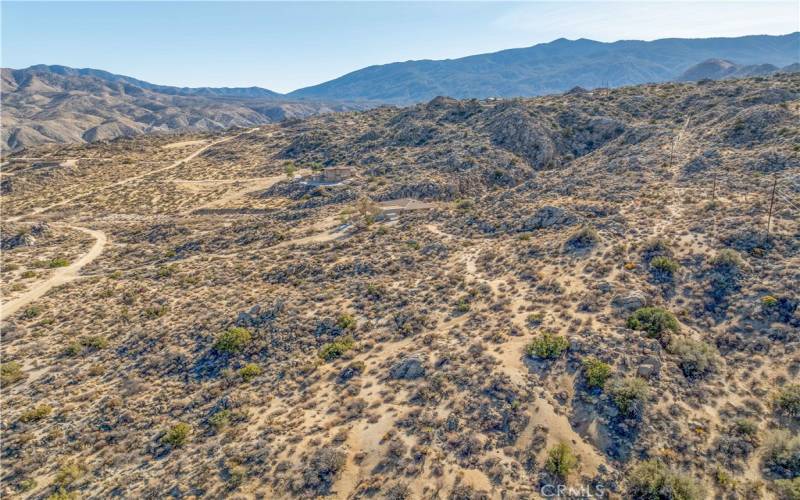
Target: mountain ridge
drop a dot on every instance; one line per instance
(538, 69)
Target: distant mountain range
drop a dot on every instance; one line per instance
(60, 104)
(57, 104)
(551, 68)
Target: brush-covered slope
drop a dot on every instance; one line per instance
(550, 68)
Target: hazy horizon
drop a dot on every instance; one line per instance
(286, 46)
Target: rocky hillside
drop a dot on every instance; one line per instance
(717, 69)
(56, 104)
(551, 68)
(598, 293)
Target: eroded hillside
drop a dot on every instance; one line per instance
(582, 291)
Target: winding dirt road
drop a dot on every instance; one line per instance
(127, 180)
(62, 275)
(70, 272)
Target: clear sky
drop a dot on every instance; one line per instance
(284, 46)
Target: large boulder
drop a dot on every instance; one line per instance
(548, 216)
(629, 301)
(407, 368)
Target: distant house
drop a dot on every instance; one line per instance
(329, 175)
(337, 174)
(394, 207)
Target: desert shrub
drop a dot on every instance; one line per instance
(547, 346)
(73, 348)
(10, 372)
(63, 494)
(787, 489)
(69, 474)
(323, 468)
(663, 268)
(32, 312)
(333, 350)
(232, 340)
(787, 400)
(695, 357)
(725, 274)
(35, 414)
(249, 371)
(155, 311)
(561, 460)
(586, 237)
(28, 274)
(782, 453)
(535, 319)
(177, 435)
(769, 301)
(220, 419)
(629, 394)
(652, 480)
(727, 260)
(739, 440)
(465, 204)
(58, 262)
(346, 322)
(95, 342)
(596, 372)
(655, 247)
(655, 321)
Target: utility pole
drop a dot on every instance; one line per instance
(714, 189)
(771, 202)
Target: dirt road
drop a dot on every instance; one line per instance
(62, 275)
(128, 180)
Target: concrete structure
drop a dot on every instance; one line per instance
(336, 174)
(395, 207)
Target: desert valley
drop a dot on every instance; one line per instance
(594, 290)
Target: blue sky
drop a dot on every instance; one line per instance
(284, 46)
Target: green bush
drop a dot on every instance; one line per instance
(32, 312)
(547, 346)
(787, 400)
(535, 319)
(652, 480)
(655, 321)
(695, 357)
(782, 453)
(629, 394)
(220, 420)
(35, 414)
(10, 372)
(58, 262)
(333, 350)
(177, 435)
(561, 461)
(727, 260)
(249, 371)
(346, 322)
(788, 489)
(596, 372)
(155, 311)
(232, 340)
(69, 474)
(664, 266)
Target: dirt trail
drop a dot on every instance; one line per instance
(127, 180)
(256, 184)
(61, 275)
